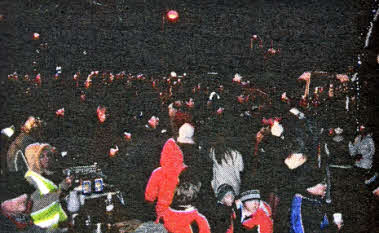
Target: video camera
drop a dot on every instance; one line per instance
(90, 179)
(84, 172)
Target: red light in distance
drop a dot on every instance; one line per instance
(172, 15)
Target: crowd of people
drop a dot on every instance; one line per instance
(238, 158)
(289, 170)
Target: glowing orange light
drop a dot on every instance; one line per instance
(172, 15)
(35, 36)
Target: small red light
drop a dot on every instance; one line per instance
(172, 15)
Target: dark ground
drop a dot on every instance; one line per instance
(210, 36)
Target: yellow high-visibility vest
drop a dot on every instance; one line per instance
(51, 215)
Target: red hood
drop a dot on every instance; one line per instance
(171, 156)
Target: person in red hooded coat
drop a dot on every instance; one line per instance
(163, 180)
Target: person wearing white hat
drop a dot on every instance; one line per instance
(186, 132)
(193, 156)
(196, 159)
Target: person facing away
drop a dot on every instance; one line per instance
(182, 216)
(227, 166)
(163, 180)
(226, 181)
(191, 153)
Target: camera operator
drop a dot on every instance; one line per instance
(46, 211)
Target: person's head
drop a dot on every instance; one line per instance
(226, 194)
(171, 110)
(376, 192)
(295, 145)
(47, 157)
(186, 193)
(31, 124)
(179, 119)
(188, 188)
(276, 129)
(186, 132)
(295, 152)
(220, 145)
(101, 113)
(251, 205)
(251, 200)
(40, 157)
(364, 130)
(228, 199)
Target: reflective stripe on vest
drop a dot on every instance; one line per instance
(50, 216)
(44, 185)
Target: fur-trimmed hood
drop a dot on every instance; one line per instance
(32, 155)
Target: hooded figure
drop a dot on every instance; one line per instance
(47, 211)
(163, 180)
(33, 154)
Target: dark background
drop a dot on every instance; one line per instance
(209, 36)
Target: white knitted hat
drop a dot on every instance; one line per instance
(253, 194)
(186, 132)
